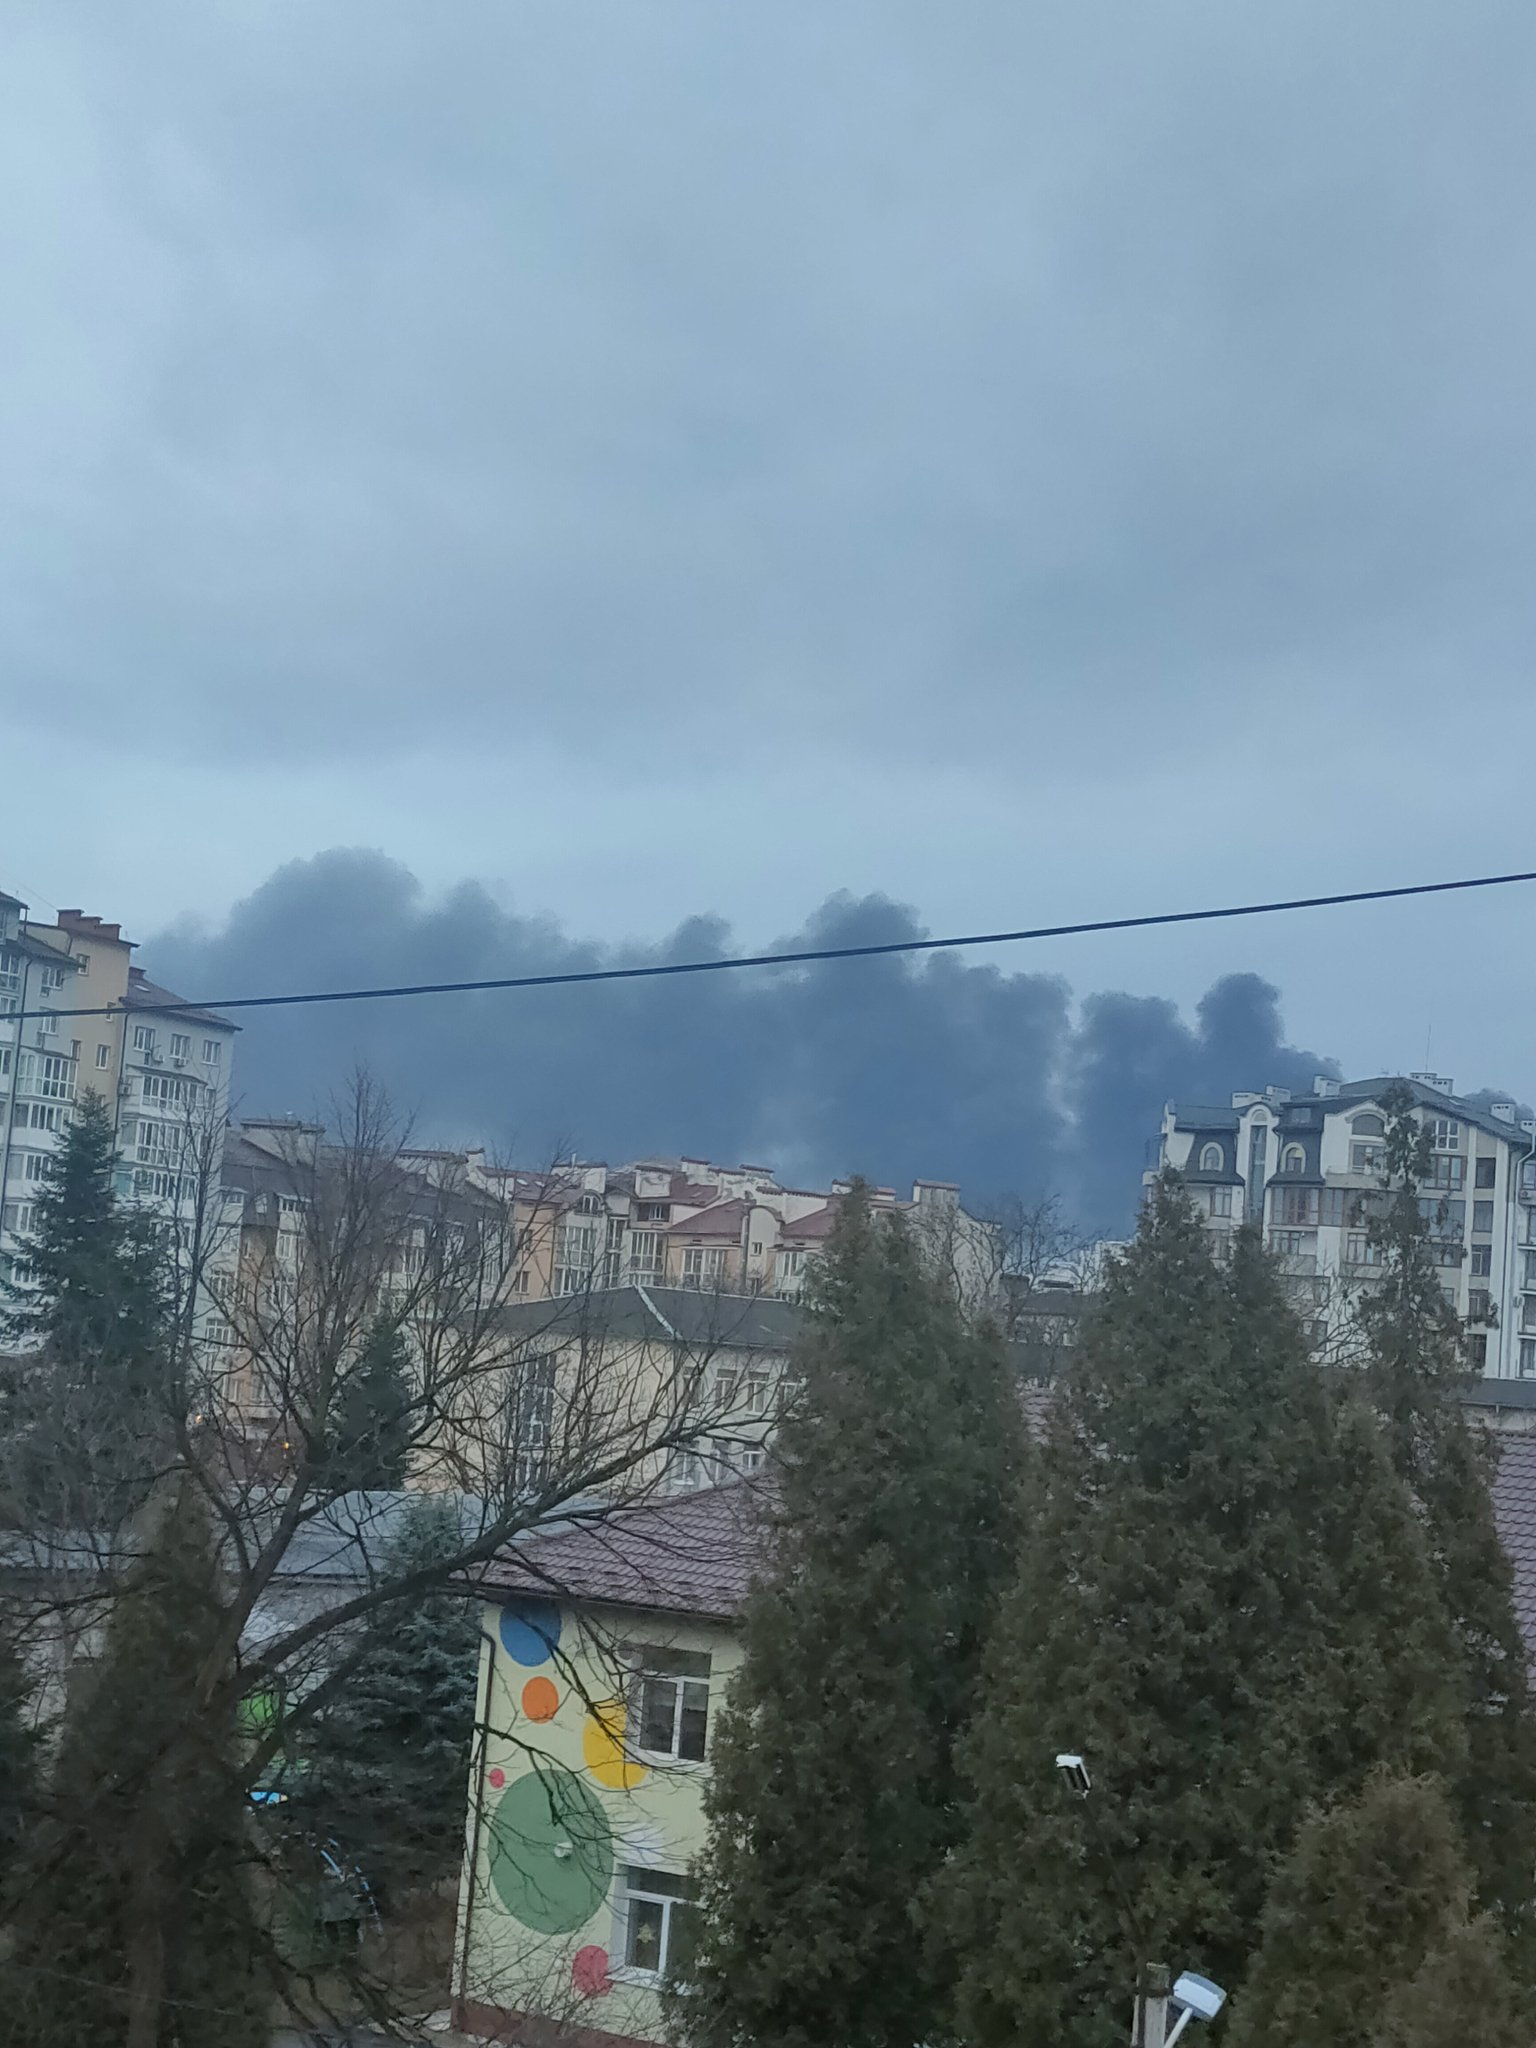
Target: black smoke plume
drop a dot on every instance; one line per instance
(889, 1067)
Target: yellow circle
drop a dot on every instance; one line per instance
(602, 1744)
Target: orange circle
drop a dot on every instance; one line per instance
(540, 1700)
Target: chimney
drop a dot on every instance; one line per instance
(1325, 1085)
(1506, 1112)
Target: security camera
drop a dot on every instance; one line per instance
(1075, 1771)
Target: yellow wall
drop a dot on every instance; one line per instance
(564, 1804)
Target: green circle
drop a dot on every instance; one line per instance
(551, 1851)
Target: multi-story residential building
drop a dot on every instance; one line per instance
(163, 1073)
(726, 1230)
(1308, 1170)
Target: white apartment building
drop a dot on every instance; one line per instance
(162, 1073)
(1306, 1167)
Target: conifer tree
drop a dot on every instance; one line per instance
(833, 1796)
(135, 1920)
(387, 1762)
(1415, 1365)
(19, 1761)
(1368, 1938)
(369, 1442)
(91, 1406)
(1221, 1598)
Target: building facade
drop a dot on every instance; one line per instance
(605, 1655)
(1308, 1169)
(163, 1074)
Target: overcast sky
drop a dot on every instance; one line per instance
(670, 459)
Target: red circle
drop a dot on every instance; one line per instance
(589, 1971)
(498, 1779)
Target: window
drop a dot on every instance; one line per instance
(658, 1924)
(1258, 1149)
(1293, 1244)
(1295, 1205)
(53, 1077)
(181, 1046)
(1446, 1170)
(575, 1256)
(1368, 1125)
(1444, 1133)
(704, 1268)
(1527, 1313)
(103, 1056)
(1367, 1158)
(1443, 1215)
(162, 1187)
(744, 1392)
(1477, 1305)
(1528, 1358)
(1218, 1201)
(1210, 1159)
(48, 1026)
(1487, 1172)
(591, 1205)
(169, 1088)
(52, 980)
(1293, 1159)
(213, 1052)
(10, 972)
(1477, 1353)
(670, 1693)
(143, 1038)
(653, 1212)
(1345, 1206)
(534, 1422)
(33, 1164)
(155, 1144)
(647, 1251)
(1530, 1271)
(1359, 1250)
(38, 1116)
(1482, 1261)
(84, 960)
(1482, 1218)
(18, 1217)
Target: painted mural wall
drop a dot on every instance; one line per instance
(590, 1777)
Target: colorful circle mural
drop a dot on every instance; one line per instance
(530, 1631)
(602, 1745)
(589, 1972)
(551, 1851)
(541, 1702)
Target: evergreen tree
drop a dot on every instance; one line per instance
(135, 1919)
(92, 1402)
(19, 1743)
(1415, 1365)
(833, 1799)
(369, 1442)
(1368, 1938)
(386, 1764)
(1221, 1599)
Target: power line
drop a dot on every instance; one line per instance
(801, 957)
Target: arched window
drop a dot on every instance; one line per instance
(1210, 1159)
(1368, 1126)
(1293, 1160)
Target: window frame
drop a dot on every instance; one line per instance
(652, 1886)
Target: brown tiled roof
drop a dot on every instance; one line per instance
(819, 1223)
(1514, 1504)
(724, 1219)
(692, 1553)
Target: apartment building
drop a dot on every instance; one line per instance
(688, 1223)
(1307, 1168)
(162, 1073)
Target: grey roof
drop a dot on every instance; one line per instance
(1351, 1094)
(667, 1315)
(144, 994)
(1204, 1116)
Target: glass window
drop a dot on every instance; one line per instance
(1487, 1172)
(659, 1923)
(1296, 1205)
(1293, 1160)
(103, 1055)
(1528, 1358)
(1482, 1260)
(1368, 1125)
(181, 1046)
(1367, 1158)
(1482, 1218)
(143, 1038)
(213, 1052)
(1446, 1170)
(673, 1718)
(1210, 1159)
(1445, 1133)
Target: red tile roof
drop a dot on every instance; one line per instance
(692, 1553)
(724, 1219)
(819, 1223)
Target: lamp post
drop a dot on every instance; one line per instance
(1193, 1997)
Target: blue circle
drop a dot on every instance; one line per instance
(530, 1631)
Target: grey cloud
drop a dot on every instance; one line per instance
(891, 1067)
(679, 381)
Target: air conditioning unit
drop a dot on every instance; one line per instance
(178, 1062)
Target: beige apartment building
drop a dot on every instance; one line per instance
(162, 1073)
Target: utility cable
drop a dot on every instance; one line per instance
(802, 956)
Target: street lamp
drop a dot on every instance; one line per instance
(1194, 1997)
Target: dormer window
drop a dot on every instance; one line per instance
(1368, 1126)
(1210, 1159)
(1293, 1160)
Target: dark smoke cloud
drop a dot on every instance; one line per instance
(890, 1067)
